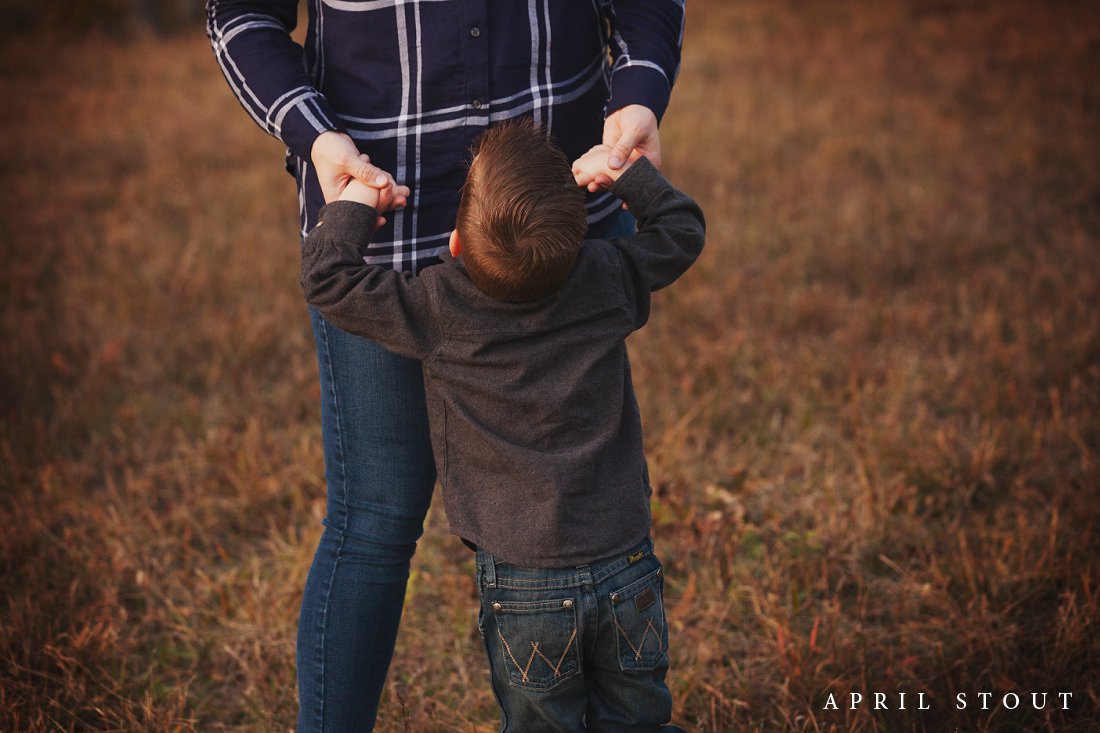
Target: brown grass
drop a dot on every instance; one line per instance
(872, 409)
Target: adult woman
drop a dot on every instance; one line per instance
(411, 84)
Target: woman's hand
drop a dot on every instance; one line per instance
(337, 161)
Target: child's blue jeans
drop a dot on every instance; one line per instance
(577, 649)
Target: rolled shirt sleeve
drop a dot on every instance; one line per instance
(646, 38)
(266, 70)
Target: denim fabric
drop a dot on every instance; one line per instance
(622, 225)
(380, 476)
(577, 649)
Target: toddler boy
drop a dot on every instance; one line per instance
(534, 423)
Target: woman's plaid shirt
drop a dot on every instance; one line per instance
(414, 82)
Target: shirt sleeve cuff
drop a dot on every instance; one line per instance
(642, 85)
(302, 121)
(347, 221)
(639, 184)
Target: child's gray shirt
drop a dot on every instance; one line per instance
(534, 424)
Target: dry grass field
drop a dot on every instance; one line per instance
(872, 410)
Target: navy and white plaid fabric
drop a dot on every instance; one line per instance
(415, 81)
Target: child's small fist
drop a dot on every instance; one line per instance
(360, 193)
(380, 192)
(592, 171)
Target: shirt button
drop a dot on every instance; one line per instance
(475, 31)
(476, 103)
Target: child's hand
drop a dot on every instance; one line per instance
(592, 171)
(384, 194)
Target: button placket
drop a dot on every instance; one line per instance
(476, 59)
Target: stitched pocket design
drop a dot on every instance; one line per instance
(641, 633)
(538, 641)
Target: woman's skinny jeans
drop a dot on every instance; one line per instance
(380, 474)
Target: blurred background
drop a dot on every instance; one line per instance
(116, 18)
(871, 409)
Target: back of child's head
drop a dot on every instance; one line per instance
(521, 219)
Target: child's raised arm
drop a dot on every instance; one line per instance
(670, 236)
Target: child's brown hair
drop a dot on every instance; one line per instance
(521, 219)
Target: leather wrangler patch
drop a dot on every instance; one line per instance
(645, 599)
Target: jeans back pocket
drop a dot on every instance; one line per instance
(538, 641)
(641, 632)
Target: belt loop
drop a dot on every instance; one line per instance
(489, 567)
